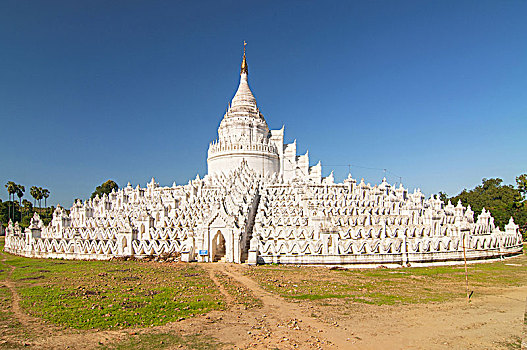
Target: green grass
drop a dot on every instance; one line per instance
(164, 341)
(317, 296)
(4, 270)
(112, 294)
(390, 286)
(117, 294)
(357, 286)
(120, 294)
(240, 293)
(116, 307)
(514, 344)
(6, 316)
(10, 328)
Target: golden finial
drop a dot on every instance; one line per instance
(245, 68)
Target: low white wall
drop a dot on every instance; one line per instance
(261, 163)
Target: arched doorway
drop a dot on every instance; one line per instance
(218, 246)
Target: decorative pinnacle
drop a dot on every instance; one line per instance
(245, 68)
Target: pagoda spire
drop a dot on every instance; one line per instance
(245, 67)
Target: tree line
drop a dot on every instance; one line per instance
(503, 201)
(22, 210)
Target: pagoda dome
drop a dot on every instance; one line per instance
(243, 134)
(243, 117)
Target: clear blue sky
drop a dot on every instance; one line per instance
(433, 91)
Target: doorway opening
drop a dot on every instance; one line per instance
(218, 247)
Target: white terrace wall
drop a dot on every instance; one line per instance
(347, 224)
(267, 220)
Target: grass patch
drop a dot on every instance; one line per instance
(10, 328)
(117, 294)
(389, 286)
(4, 270)
(6, 316)
(317, 296)
(240, 293)
(163, 341)
(368, 287)
(112, 294)
(513, 344)
(114, 307)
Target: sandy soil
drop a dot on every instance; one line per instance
(488, 322)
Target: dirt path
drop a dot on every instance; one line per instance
(281, 310)
(37, 334)
(229, 300)
(30, 325)
(278, 324)
(493, 321)
(22, 317)
(488, 322)
(524, 334)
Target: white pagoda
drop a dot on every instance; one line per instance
(243, 135)
(261, 203)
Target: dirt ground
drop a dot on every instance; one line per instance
(490, 321)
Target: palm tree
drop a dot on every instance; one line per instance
(7, 185)
(39, 198)
(34, 193)
(20, 189)
(11, 190)
(45, 194)
(28, 206)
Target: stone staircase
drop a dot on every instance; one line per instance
(250, 226)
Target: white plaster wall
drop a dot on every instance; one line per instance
(260, 163)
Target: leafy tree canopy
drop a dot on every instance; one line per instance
(521, 182)
(503, 201)
(106, 187)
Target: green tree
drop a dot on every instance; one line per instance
(45, 194)
(39, 197)
(34, 193)
(11, 190)
(20, 189)
(521, 212)
(37, 194)
(106, 187)
(499, 199)
(503, 201)
(28, 207)
(443, 196)
(4, 213)
(521, 183)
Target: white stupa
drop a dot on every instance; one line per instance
(261, 203)
(243, 135)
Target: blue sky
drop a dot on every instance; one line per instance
(435, 92)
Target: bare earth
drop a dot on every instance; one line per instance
(492, 321)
